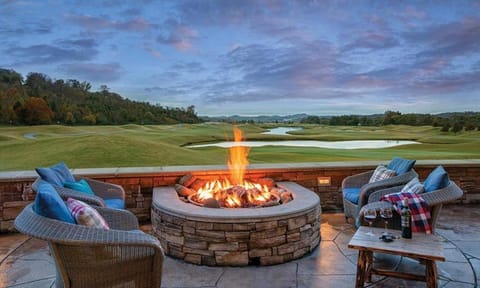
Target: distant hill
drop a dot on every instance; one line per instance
(257, 119)
(451, 121)
(41, 100)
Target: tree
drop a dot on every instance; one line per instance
(35, 111)
(457, 127)
(390, 117)
(445, 127)
(469, 126)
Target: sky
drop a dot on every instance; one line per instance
(243, 57)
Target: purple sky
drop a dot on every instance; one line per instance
(256, 57)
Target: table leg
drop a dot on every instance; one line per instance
(361, 268)
(431, 273)
(369, 266)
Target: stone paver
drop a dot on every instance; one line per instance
(26, 262)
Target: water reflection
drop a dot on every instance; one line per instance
(281, 130)
(357, 144)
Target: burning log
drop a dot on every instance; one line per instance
(197, 184)
(286, 197)
(269, 182)
(211, 203)
(277, 191)
(271, 203)
(184, 191)
(187, 180)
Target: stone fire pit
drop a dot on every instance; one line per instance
(237, 236)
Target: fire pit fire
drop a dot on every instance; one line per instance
(225, 194)
(235, 192)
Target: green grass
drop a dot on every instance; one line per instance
(142, 146)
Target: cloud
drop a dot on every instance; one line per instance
(26, 28)
(44, 53)
(372, 41)
(189, 67)
(84, 43)
(177, 35)
(287, 71)
(449, 40)
(94, 72)
(103, 22)
(152, 51)
(255, 15)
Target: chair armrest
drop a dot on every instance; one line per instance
(119, 219)
(357, 180)
(369, 188)
(441, 196)
(30, 223)
(106, 190)
(66, 193)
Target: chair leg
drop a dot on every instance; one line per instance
(346, 219)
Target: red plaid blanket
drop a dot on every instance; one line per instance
(419, 208)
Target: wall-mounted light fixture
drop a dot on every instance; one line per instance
(324, 180)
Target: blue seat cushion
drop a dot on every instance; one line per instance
(351, 194)
(437, 179)
(115, 203)
(81, 186)
(49, 204)
(56, 174)
(401, 165)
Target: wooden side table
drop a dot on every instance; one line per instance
(426, 247)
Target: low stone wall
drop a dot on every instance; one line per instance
(237, 237)
(324, 178)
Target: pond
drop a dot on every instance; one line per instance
(357, 144)
(281, 130)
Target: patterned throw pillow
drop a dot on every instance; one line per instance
(414, 186)
(381, 173)
(85, 215)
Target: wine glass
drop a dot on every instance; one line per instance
(387, 215)
(370, 215)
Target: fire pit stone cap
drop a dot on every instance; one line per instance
(166, 199)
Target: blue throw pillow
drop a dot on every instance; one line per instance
(401, 165)
(437, 179)
(352, 194)
(81, 186)
(56, 174)
(115, 203)
(49, 204)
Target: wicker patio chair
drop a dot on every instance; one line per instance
(361, 180)
(435, 200)
(92, 257)
(104, 192)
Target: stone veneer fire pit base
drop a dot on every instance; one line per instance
(237, 237)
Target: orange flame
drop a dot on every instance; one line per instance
(238, 158)
(236, 191)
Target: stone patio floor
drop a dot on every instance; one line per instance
(25, 262)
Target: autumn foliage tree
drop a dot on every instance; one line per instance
(72, 103)
(36, 111)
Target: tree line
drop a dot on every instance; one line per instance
(38, 99)
(454, 122)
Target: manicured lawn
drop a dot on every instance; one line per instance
(142, 146)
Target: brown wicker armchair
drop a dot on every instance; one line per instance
(435, 200)
(360, 180)
(91, 257)
(105, 193)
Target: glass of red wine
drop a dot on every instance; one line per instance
(370, 215)
(387, 215)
